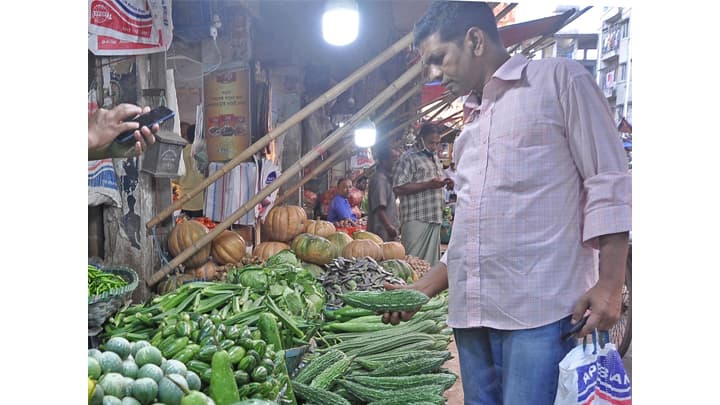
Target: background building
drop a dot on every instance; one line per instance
(615, 60)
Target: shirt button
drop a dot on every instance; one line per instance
(484, 141)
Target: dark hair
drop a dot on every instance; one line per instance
(427, 129)
(452, 19)
(383, 152)
(344, 179)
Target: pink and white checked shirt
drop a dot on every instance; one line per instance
(541, 173)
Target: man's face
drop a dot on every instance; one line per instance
(431, 142)
(452, 63)
(344, 188)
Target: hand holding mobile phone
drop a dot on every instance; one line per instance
(155, 116)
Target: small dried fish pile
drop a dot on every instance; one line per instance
(343, 275)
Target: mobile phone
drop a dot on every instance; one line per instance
(155, 116)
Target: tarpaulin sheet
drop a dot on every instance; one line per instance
(129, 27)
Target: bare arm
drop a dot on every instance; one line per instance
(604, 300)
(414, 188)
(392, 232)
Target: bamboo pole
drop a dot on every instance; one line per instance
(293, 170)
(451, 117)
(328, 96)
(345, 151)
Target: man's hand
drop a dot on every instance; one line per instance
(392, 232)
(436, 182)
(105, 125)
(604, 300)
(604, 307)
(395, 317)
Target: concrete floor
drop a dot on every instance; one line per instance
(455, 396)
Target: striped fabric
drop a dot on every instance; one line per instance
(231, 191)
(541, 173)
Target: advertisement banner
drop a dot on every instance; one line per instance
(129, 27)
(227, 114)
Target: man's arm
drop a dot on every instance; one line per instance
(414, 188)
(604, 300)
(392, 232)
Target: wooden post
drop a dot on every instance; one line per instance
(290, 172)
(328, 96)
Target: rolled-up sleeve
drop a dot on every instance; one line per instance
(600, 159)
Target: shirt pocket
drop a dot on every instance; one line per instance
(530, 133)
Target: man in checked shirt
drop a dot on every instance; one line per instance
(541, 183)
(418, 180)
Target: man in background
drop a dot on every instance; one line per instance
(192, 178)
(382, 208)
(418, 180)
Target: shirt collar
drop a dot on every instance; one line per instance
(510, 70)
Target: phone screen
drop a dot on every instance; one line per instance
(156, 116)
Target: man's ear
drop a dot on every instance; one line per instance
(475, 40)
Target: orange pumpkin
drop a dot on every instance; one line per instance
(367, 235)
(393, 250)
(266, 249)
(361, 248)
(320, 228)
(313, 248)
(183, 235)
(207, 271)
(228, 247)
(339, 241)
(284, 223)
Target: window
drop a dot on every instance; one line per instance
(579, 54)
(622, 72)
(625, 28)
(591, 54)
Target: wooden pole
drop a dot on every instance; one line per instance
(345, 151)
(292, 171)
(328, 96)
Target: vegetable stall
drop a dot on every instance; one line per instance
(297, 321)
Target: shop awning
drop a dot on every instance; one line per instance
(516, 33)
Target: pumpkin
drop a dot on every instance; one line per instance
(283, 223)
(399, 268)
(320, 228)
(313, 248)
(228, 248)
(264, 250)
(207, 271)
(361, 248)
(367, 235)
(339, 241)
(183, 235)
(393, 250)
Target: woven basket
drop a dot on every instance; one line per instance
(103, 306)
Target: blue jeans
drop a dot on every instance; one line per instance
(512, 367)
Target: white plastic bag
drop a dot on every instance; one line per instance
(593, 375)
